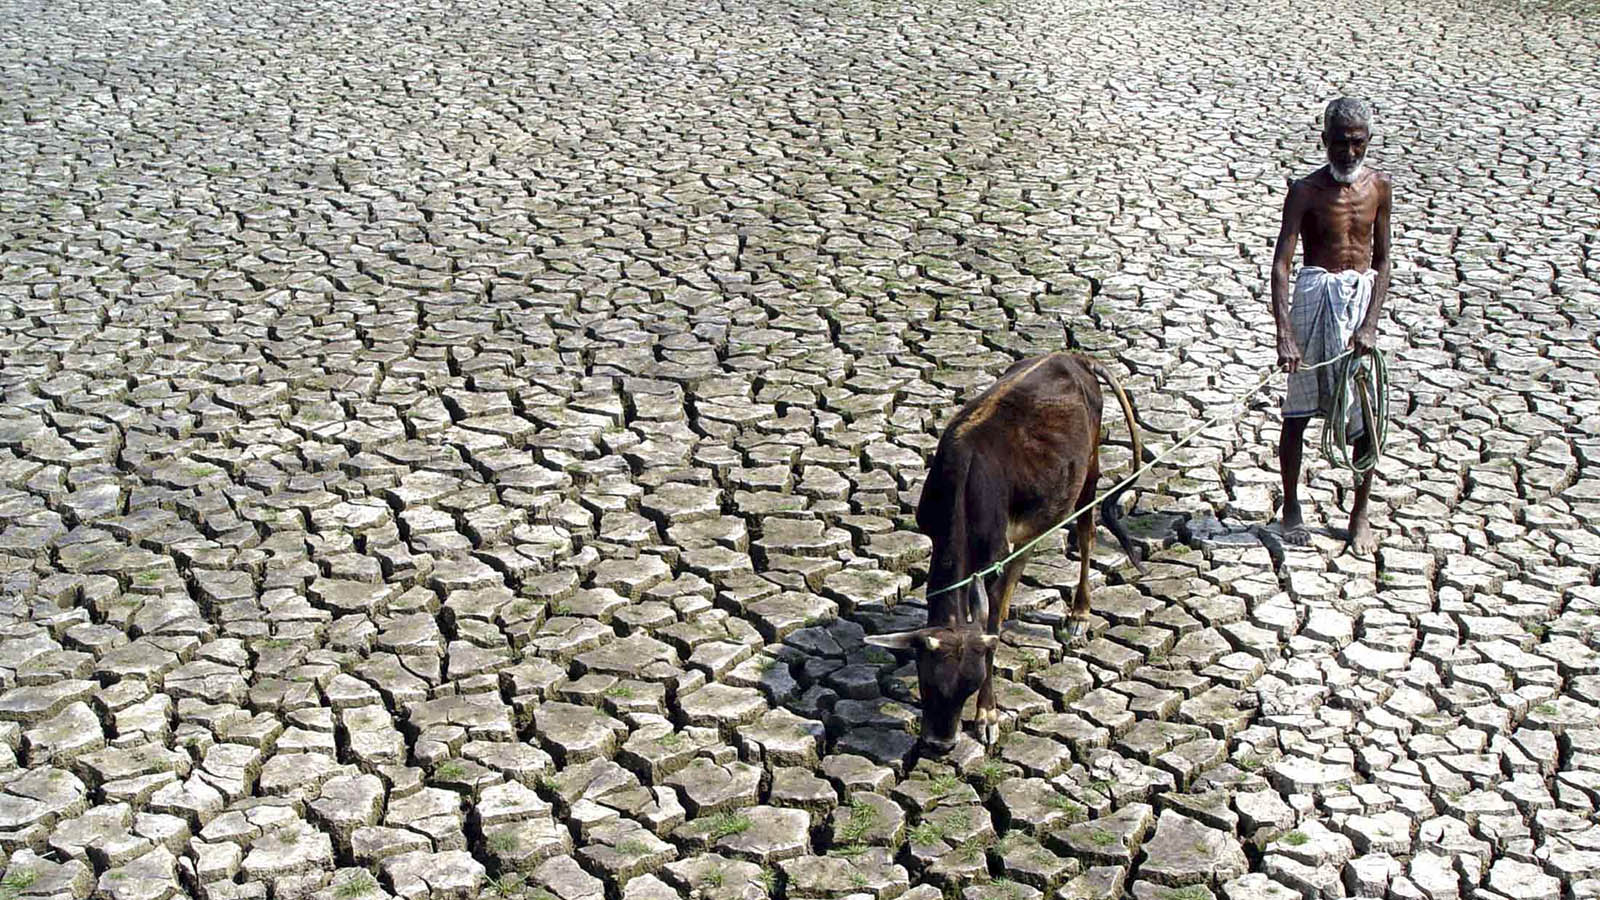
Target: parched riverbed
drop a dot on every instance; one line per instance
(458, 452)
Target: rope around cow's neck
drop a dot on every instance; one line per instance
(1374, 405)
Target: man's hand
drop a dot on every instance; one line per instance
(1288, 353)
(1363, 341)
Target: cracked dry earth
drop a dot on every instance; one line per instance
(459, 453)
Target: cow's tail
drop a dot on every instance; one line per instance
(1110, 510)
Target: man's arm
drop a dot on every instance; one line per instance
(1282, 261)
(1366, 336)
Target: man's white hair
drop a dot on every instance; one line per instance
(1347, 112)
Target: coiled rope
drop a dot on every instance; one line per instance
(1364, 380)
(1367, 378)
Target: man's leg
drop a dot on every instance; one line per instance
(1362, 542)
(1290, 441)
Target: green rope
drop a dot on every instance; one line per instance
(1376, 400)
(1366, 378)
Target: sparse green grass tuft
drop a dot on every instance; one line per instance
(1192, 892)
(972, 851)
(926, 834)
(1546, 709)
(632, 847)
(503, 843)
(1074, 811)
(990, 772)
(450, 769)
(620, 690)
(726, 823)
(862, 817)
(1102, 838)
(356, 885)
(714, 877)
(672, 740)
(508, 885)
(18, 879)
(1295, 838)
(1002, 889)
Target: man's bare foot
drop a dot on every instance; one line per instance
(1362, 541)
(1293, 527)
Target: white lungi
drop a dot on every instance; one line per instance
(1327, 309)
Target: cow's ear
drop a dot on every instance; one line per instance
(900, 640)
(990, 641)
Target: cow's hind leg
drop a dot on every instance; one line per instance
(987, 715)
(1078, 622)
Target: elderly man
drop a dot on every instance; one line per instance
(1342, 211)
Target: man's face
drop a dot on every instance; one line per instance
(1347, 149)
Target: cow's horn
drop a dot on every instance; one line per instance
(900, 640)
(980, 605)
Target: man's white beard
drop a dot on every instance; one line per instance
(1346, 176)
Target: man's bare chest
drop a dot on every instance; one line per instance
(1342, 215)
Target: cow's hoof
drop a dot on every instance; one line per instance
(988, 722)
(1076, 628)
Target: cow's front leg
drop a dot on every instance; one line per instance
(987, 716)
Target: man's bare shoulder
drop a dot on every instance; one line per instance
(1301, 192)
(1302, 185)
(1384, 181)
(1313, 181)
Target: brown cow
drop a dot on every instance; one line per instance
(1013, 462)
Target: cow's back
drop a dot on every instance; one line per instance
(1040, 403)
(1030, 438)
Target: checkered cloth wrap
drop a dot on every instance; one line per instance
(1328, 307)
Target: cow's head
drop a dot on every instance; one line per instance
(952, 659)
